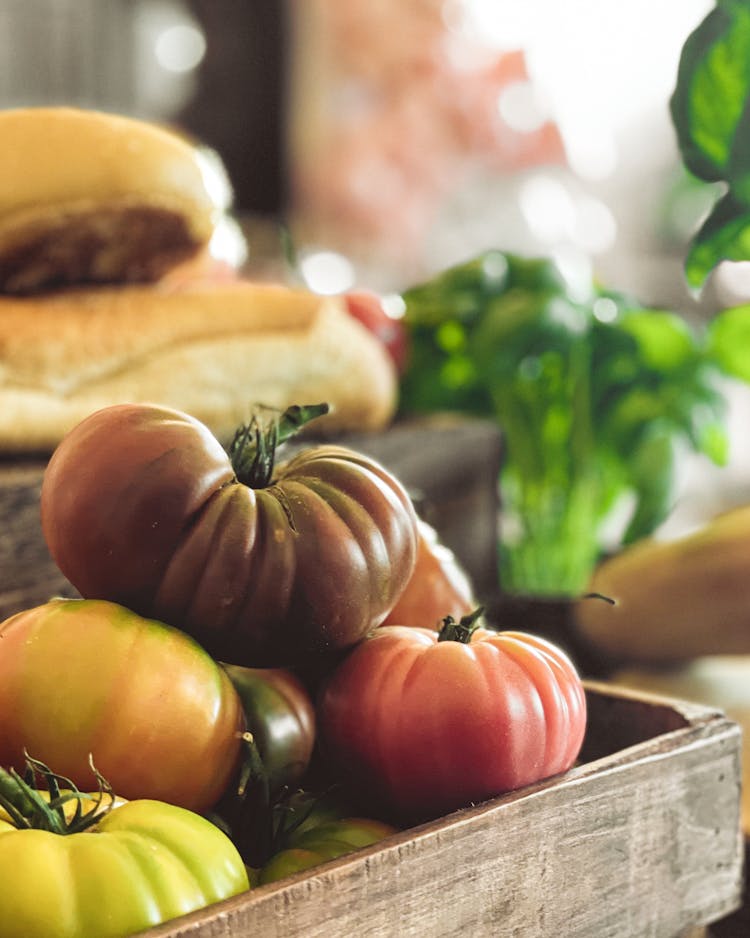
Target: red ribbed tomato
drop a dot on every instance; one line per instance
(421, 723)
(141, 505)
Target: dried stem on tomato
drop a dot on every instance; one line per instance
(27, 808)
(252, 451)
(462, 630)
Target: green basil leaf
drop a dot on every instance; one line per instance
(728, 341)
(652, 481)
(665, 340)
(710, 99)
(710, 110)
(724, 236)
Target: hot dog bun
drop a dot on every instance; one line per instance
(212, 350)
(92, 197)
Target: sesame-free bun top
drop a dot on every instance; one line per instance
(93, 197)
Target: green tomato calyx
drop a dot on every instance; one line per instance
(252, 451)
(30, 807)
(462, 630)
(244, 812)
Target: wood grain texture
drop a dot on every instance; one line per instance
(29, 576)
(639, 842)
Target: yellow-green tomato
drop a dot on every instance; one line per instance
(144, 863)
(322, 842)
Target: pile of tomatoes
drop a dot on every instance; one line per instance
(272, 664)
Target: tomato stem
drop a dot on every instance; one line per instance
(606, 599)
(27, 808)
(462, 630)
(244, 813)
(252, 450)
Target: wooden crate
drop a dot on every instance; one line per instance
(641, 838)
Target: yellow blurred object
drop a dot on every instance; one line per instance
(671, 601)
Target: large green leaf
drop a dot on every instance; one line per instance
(665, 340)
(724, 236)
(710, 110)
(729, 341)
(713, 82)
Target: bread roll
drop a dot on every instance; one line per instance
(91, 197)
(213, 351)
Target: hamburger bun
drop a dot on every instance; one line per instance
(213, 350)
(90, 197)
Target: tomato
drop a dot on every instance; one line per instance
(438, 587)
(318, 830)
(322, 843)
(81, 678)
(143, 863)
(422, 724)
(367, 307)
(281, 717)
(141, 505)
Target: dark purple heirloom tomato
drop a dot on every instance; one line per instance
(264, 565)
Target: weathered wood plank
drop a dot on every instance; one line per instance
(28, 576)
(643, 841)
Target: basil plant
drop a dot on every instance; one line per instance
(596, 400)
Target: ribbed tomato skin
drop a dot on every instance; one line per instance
(421, 727)
(144, 863)
(439, 586)
(88, 679)
(140, 505)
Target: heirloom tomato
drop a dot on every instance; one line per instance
(281, 717)
(265, 565)
(83, 679)
(422, 723)
(321, 843)
(108, 871)
(439, 586)
(313, 829)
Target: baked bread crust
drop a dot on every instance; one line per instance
(93, 197)
(213, 351)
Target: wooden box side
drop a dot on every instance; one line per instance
(640, 841)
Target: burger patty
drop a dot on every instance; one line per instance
(124, 245)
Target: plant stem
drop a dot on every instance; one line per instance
(462, 630)
(252, 450)
(556, 545)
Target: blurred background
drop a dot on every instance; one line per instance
(396, 139)
(405, 136)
